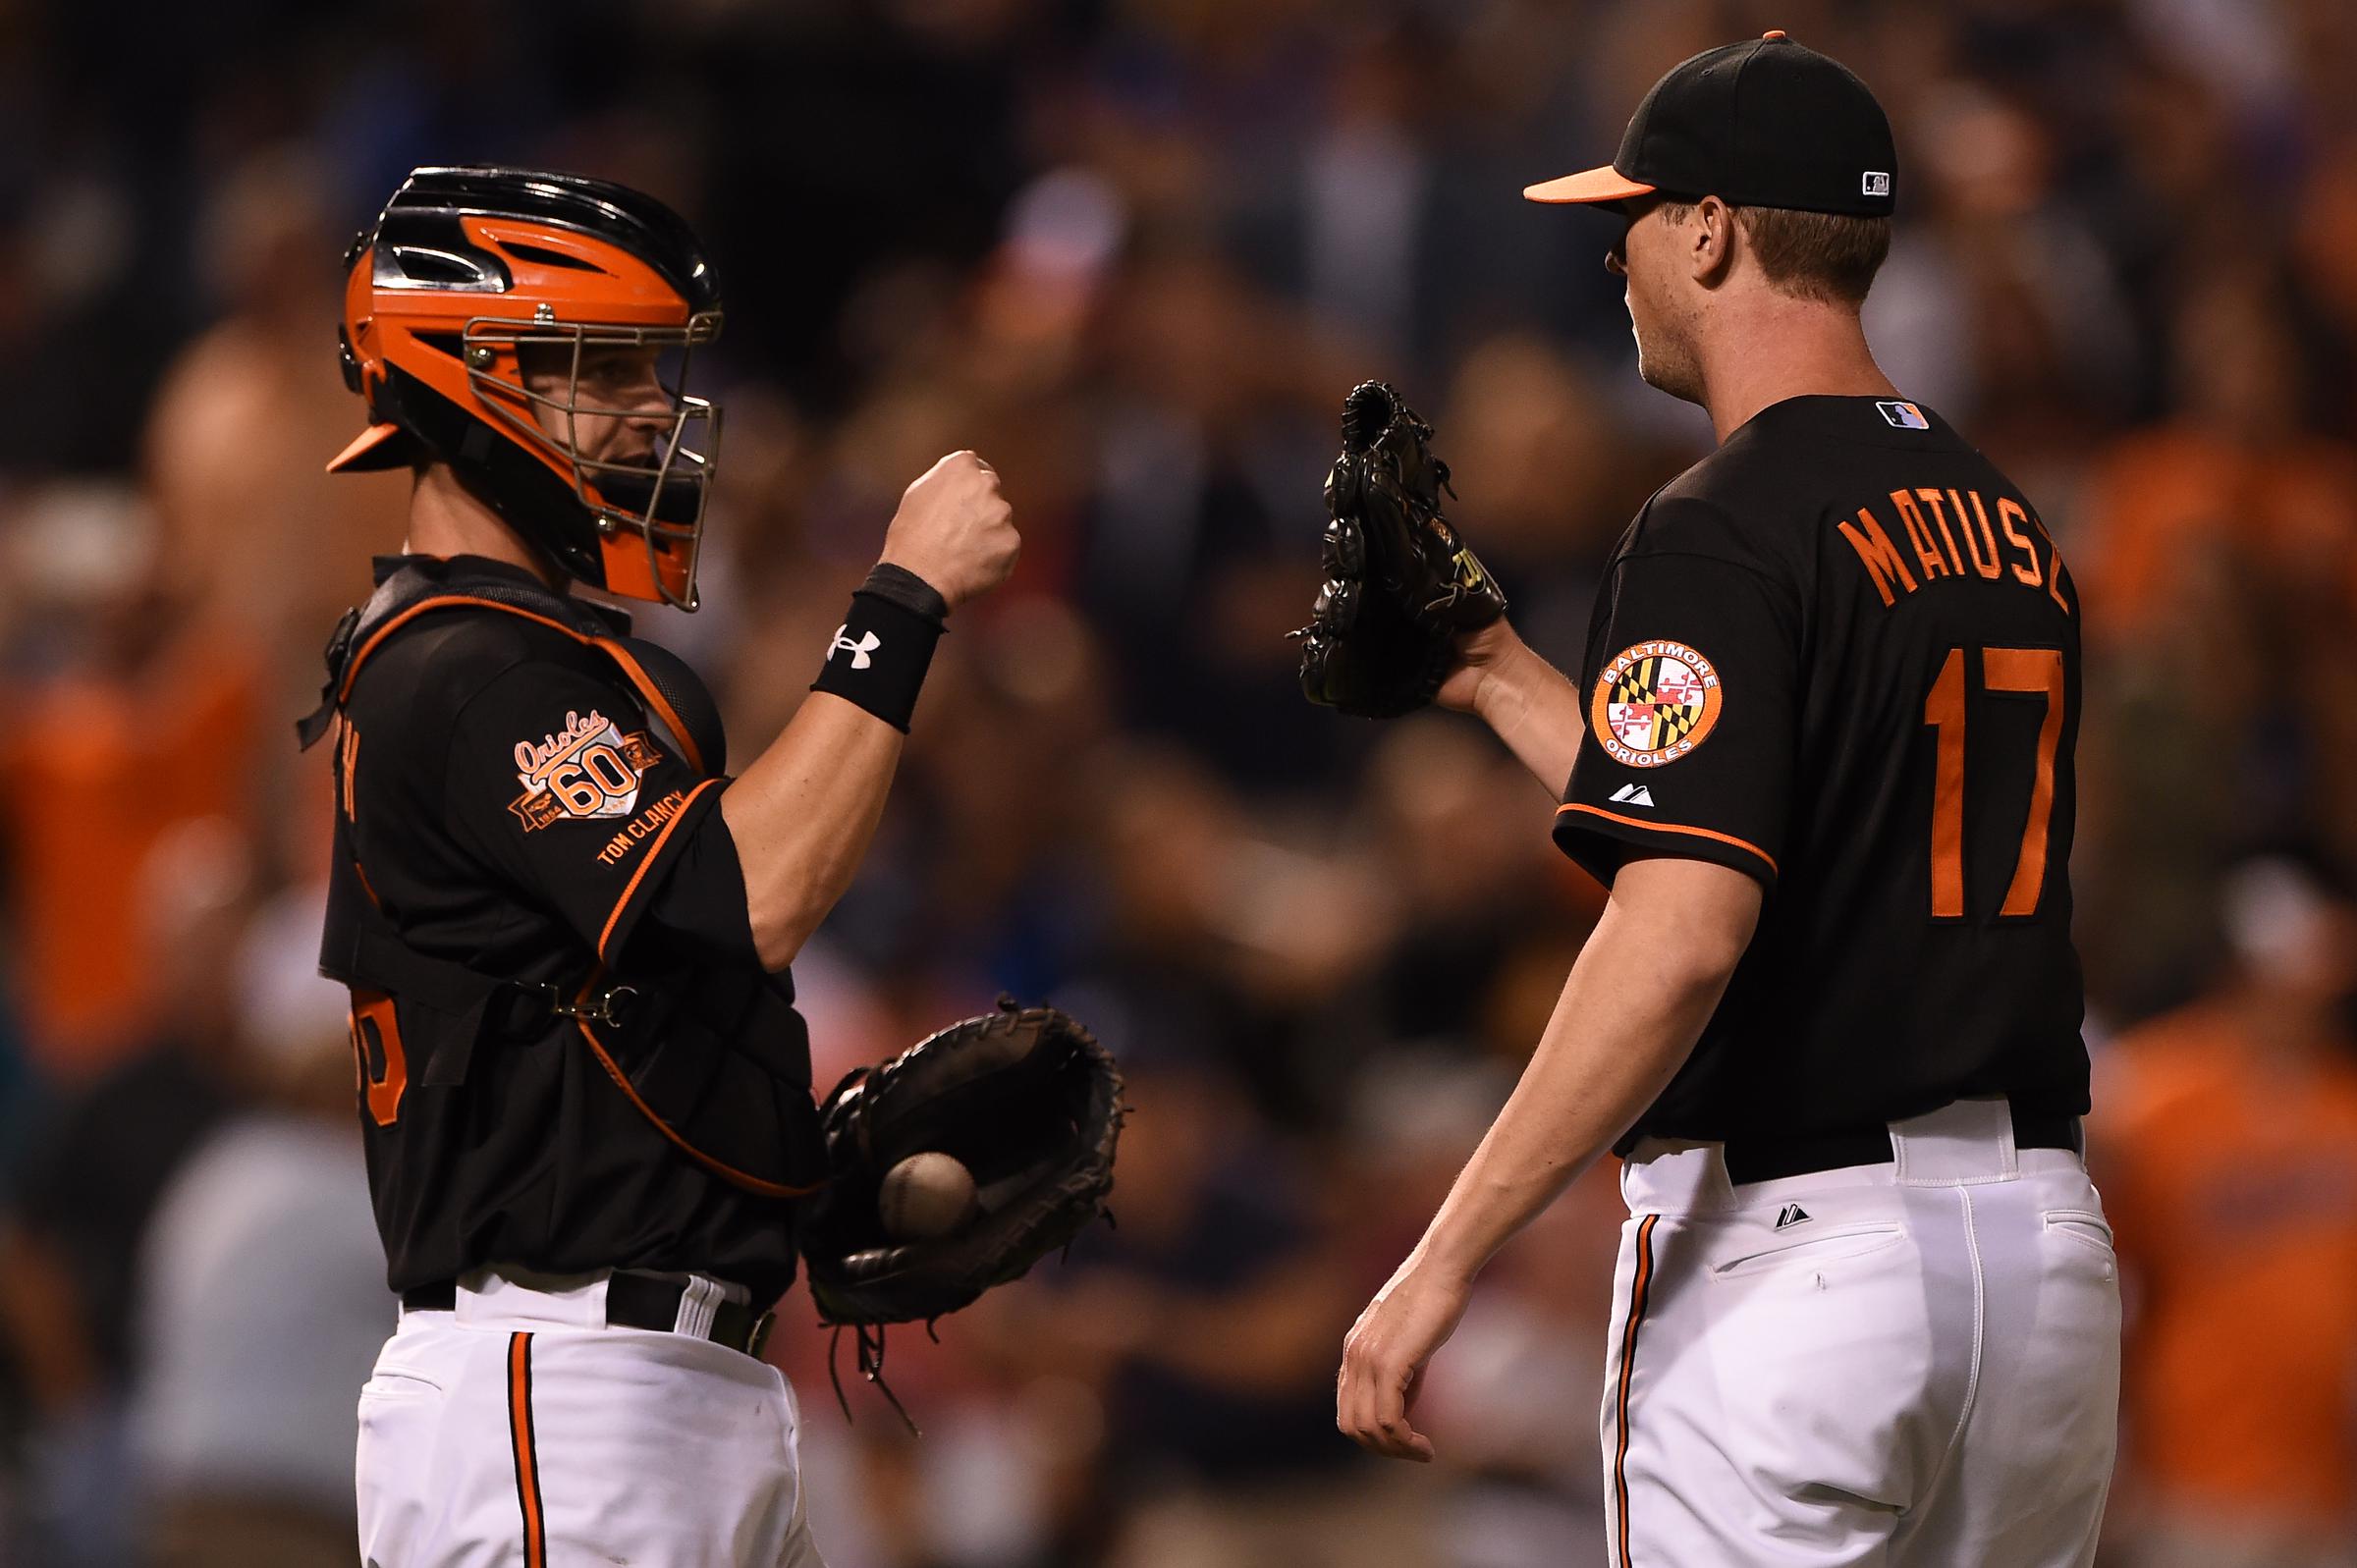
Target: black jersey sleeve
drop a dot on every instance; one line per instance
(701, 898)
(1692, 682)
(558, 779)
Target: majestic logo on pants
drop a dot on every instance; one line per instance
(1655, 702)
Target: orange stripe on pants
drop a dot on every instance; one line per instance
(528, 1460)
(1637, 1291)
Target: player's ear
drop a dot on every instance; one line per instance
(1710, 241)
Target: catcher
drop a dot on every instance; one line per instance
(583, 1087)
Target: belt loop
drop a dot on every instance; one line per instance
(1965, 1142)
(700, 1304)
(1663, 1175)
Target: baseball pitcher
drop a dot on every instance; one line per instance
(1819, 751)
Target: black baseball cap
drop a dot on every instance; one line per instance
(1765, 123)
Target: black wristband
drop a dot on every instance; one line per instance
(881, 652)
(901, 586)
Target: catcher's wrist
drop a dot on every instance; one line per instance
(885, 646)
(896, 583)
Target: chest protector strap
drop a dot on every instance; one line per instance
(674, 698)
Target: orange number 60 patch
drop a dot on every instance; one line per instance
(595, 779)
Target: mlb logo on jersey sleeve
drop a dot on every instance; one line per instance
(1903, 415)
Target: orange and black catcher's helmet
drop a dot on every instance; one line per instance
(469, 271)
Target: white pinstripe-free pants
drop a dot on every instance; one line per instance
(1909, 1365)
(518, 1432)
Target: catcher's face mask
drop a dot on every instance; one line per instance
(607, 405)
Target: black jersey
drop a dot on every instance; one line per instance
(1841, 655)
(508, 806)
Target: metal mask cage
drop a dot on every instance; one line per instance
(676, 462)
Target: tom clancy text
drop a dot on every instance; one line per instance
(641, 826)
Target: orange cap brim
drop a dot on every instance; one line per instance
(1607, 184)
(362, 455)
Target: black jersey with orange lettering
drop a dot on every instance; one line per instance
(1840, 655)
(524, 831)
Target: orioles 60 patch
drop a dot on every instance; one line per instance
(588, 768)
(1655, 702)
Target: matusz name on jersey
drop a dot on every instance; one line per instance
(1924, 515)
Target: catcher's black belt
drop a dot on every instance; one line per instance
(632, 1301)
(1763, 1158)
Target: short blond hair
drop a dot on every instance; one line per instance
(1817, 255)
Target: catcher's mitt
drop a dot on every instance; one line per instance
(1400, 586)
(1026, 1099)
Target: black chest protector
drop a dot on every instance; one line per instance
(710, 1053)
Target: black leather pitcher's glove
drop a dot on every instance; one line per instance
(1400, 586)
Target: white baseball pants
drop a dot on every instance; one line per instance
(1911, 1365)
(519, 1431)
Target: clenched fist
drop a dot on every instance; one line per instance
(955, 530)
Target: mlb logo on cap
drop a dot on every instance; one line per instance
(1876, 183)
(1903, 416)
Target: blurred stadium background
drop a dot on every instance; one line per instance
(1133, 251)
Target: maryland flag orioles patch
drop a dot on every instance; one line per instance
(588, 768)
(1655, 702)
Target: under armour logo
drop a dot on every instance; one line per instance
(1794, 1215)
(1632, 794)
(867, 644)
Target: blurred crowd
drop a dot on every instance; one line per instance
(1134, 252)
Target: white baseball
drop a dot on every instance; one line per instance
(925, 1196)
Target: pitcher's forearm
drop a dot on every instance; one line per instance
(1636, 1000)
(1533, 708)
